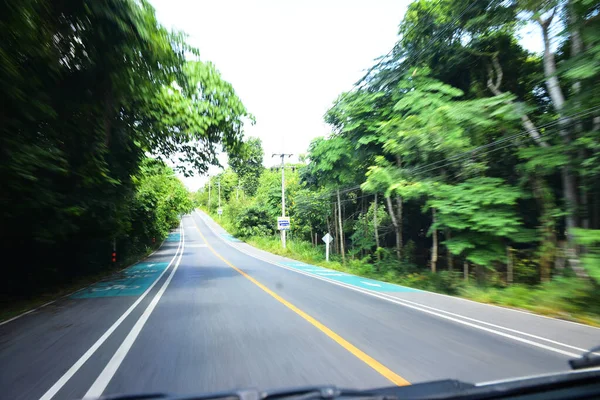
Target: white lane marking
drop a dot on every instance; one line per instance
(72, 293)
(508, 380)
(111, 368)
(437, 312)
(531, 314)
(370, 284)
(37, 308)
(86, 356)
(490, 324)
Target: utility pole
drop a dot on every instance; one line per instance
(282, 156)
(219, 184)
(209, 193)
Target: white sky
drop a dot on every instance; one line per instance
(287, 61)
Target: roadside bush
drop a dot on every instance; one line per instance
(526, 270)
(254, 221)
(441, 282)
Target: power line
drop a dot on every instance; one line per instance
(458, 157)
(345, 190)
(424, 48)
(465, 154)
(351, 199)
(579, 115)
(427, 14)
(450, 162)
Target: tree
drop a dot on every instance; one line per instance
(89, 89)
(481, 214)
(248, 164)
(332, 167)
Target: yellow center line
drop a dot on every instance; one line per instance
(361, 355)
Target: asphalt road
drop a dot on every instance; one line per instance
(209, 313)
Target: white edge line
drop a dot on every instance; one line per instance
(78, 290)
(530, 313)
(437, 312)
(462, 298)
(37, 308)
(113, 365)
(50, 393)
(575, 372)
(489, 324)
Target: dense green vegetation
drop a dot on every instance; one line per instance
(96, 95)
(461, 162)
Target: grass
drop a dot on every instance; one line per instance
(567, 298)
(571, 299)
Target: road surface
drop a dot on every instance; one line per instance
(207, 313)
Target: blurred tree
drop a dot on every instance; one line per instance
(248, 164)
(89, 89)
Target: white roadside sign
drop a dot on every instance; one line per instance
(283, 223)
(220, 211)
(327, 238)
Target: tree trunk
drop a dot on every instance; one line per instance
(576, 48)
(549, 62)
(494, 87)
(341, 227)
(335, 227)
(399, 216)
(376, 228)
(544, 198)
(479, 274)
(366, 230)
(400, 237)
(558, 100)
(584, 206)
(449, 257)
(596, 206)
(388, 200)
(434, 248)
(466, 271)
(570, 193)
(568, 179)
(509, 265)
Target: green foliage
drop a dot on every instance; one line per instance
(310, 212)
(567, 298)
(526, 271)
(248, 164)
(480, 212)
(90, 89)
(363, 237)
(331, 162)
(458, 136)
(160, 199)
(590, 239)
(254, 220)
(440, 131)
